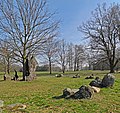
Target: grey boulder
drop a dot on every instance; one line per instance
(96, 82)
(108, 80)
(84, 92)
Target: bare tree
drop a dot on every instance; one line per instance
(90, 57)
(6, 54)
(79, 57)
(27, 24)
(102, 30)
(61, 57)
(70, 56)
(49, 51)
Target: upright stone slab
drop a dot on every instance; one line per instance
(108, 80)
(32, 68)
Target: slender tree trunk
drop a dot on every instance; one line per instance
(24, 62)
(63, 69)
(90, 66)
(50, 69)
(8, 66)
(75, 65)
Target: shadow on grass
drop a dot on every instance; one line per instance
(2, 80)
(58, 97)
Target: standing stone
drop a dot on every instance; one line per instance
(108, 80)
(32, 68)
(16, 75)
(4, 77)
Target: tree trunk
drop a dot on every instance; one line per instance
(50, 69)
(77, 66)
(112, 68)
(8, 66)
(24, 69)
(63, 69)
(74, 67)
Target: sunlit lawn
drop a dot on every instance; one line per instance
(37, 95)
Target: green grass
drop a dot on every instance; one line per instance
(37, 95)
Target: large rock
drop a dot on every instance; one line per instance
(1, 103)
(108, 80)
(84, 92)
(96, 82)
(67, 93)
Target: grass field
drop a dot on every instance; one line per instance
(37, 95)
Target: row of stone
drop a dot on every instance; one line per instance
(87, 91)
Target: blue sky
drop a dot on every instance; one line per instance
(72, 13)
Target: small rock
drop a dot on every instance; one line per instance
(96, 89)
(58, 75)
(76, 76)
(89, 77)
(1, 103)
(16, 106)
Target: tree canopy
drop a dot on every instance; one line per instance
(103, 32)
